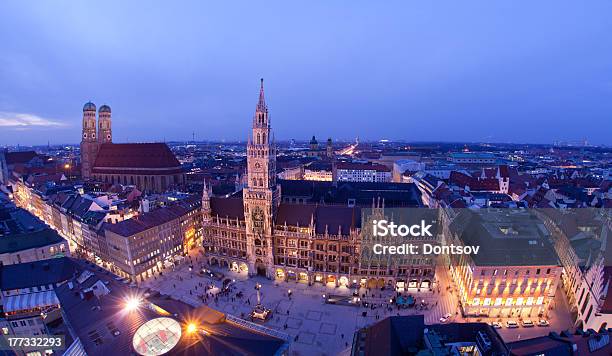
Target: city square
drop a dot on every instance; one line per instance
(294, 179)
(315, 326)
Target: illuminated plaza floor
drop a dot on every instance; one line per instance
(317, 328)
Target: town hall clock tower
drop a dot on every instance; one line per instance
(262, 195)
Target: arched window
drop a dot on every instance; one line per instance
(258, 139)
(254, 182)
(263, 138)
(260, 182)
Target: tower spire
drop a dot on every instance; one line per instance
(261, 104)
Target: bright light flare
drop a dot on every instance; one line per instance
(191, 328)
(132, 303)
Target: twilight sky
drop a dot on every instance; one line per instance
(499, 71)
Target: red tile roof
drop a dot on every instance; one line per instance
(20, 157)
(135, 155)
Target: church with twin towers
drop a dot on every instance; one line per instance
(151, 167)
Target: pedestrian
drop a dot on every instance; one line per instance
(342, 336)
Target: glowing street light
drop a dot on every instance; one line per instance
(132, 303)
(191, 328)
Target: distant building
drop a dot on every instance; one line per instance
(319, 171)
(149, 166)
(362, 172)
(314, 150)
(403, 165)
(470, 158)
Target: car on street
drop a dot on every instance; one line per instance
(496, 325)
(511, 324)
(527, 323)
(446, 317)
(543, 322)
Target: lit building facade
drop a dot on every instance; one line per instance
(516, 277)
(580, 237)
(146, 244)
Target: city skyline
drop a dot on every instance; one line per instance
(407, 72)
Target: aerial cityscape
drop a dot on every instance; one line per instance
(313, 232)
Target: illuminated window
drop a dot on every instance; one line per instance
(487, 302)
(498, 301)
(530, 301)
(476, 301)
(540, 300)
(519, 301)
(508, 302)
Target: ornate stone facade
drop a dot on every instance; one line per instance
(298, 230)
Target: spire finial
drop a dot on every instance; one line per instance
(261, 104)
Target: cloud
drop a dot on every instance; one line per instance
(26, 121)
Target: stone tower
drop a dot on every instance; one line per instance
(89, 143)
(314, 145)
(261, 195)
(329, 148)
(206, 211)
(105, 132)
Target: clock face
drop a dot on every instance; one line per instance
(258, 214)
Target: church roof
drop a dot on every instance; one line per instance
(135, 155)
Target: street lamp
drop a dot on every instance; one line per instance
(257, 288)
(132, 304)
(191, 328)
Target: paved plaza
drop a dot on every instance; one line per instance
(317, 328)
